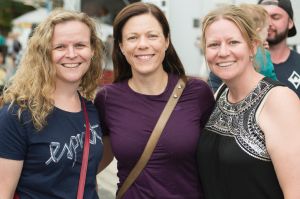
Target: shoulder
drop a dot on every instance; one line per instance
(9, 112)
(279, 107)
(276, 96)
(200, 90)
(111, 88)
(295, 54)
(6, 113)
(111, 91)
(196, 84)
(295, 57)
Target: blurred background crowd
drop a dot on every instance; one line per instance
(19, 17)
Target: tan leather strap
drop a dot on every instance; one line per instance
(155, 135)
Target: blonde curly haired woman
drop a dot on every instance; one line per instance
(42, 124)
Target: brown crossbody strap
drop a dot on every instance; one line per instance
(155, 135)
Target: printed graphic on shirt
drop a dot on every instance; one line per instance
(295, 79)
(58, 150)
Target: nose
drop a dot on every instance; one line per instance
(223, 50)
(143, 42)
(71, 52)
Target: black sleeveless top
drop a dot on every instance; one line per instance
(232, 156)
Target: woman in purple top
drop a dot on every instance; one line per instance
(146, 69)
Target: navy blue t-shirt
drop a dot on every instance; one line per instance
(288, 72)
(52, 157)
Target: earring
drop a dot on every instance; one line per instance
(251, 57)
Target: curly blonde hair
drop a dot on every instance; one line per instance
(34, 82)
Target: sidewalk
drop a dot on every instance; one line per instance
(107, 181)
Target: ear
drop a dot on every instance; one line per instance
(291, 23)
(167, 43)
(255, 45)
(93, 53)
(121, 48)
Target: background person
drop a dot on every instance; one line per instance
(248, 148)
(286, 61)
(42, 124)
(260, 17)
(146, 69)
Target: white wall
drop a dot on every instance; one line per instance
(181, 16)
(296, 39)
(184, 35)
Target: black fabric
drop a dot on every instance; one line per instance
(232, 158)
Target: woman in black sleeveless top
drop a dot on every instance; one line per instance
(250, 146)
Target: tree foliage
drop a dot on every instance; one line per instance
(9, 10)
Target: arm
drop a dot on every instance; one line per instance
(107, 154)
(279, 120)
(10, 171)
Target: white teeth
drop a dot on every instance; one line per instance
(70, 65)
(144, 57)
(225, 64)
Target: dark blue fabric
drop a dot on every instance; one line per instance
(52, 157)
(288, 72)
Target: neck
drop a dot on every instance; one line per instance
(151, 85)
(279, 52)
(67, 98)
(240, 88)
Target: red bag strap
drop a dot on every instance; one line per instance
(16, 196)
(85, 156)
